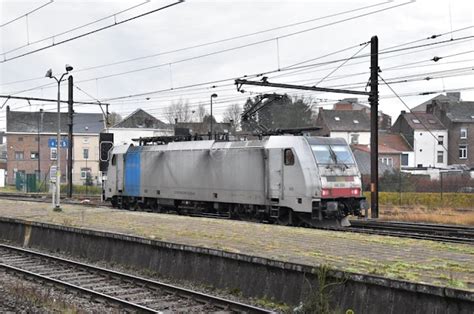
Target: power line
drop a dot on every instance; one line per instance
(229, 49)
(450, 42)
(421, 121)
(342, 64)
(26, 14)
(90, 32)
(206, 44)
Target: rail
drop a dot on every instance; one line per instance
(127, 291)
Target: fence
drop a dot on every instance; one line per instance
(399, 188)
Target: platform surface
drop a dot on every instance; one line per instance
(423, 261)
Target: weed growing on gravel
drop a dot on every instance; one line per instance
(270, 303)
(39, 299)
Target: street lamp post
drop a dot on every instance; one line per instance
(49, 74)
(212, 118)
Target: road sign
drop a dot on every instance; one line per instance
(52, 143)
(53, 173)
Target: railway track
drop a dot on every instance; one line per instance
(426, 231)
(123, 291)
(436, 232)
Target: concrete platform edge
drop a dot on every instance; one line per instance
(22, 236)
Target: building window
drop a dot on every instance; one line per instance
(289, 157)
(462, 151)
(19, 156)
(356, 121)
(463, 133)
(337, 118)
(415, 121)
(404, 160)
(53, 153)
(34, 155)
(440, 139)
(440, 156)
(85, 153)
(354, 138)
(387, 161)
(20, 139)
(85, 140)
(85, 173)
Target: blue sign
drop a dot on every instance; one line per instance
(53, 143)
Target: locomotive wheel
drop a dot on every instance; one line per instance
(114, 202)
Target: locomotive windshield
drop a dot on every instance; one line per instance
(332, 154)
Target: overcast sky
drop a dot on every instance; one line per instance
(326, 29)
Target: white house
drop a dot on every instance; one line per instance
(351, 125)
(428, 137)
(139, 124)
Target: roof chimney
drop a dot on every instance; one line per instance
(454, 95)
(403, 112)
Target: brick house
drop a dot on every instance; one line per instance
(428, 137)
(394, 153)
(28, 135)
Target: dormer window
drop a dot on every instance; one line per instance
(356, 121)
(337, 118)
(415, 121)
(431, 121)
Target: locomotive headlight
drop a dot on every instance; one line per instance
(355, 191)
(325, 192)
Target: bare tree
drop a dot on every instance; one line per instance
(179, 111)
(201, 112)
(114, 118)
(233, 114)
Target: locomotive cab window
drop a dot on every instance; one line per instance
(289, 157)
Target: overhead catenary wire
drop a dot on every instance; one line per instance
(26, 14)
(208, 43)
(412, 112)
(246, 45)
(255, 74)
(5, 59)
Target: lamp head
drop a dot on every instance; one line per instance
(68, 67)
(49, 73)
(214, 95)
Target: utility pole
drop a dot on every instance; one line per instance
(70, 103)
(40, 126)
(374, 127)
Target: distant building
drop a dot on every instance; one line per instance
(86, 130)
(458, 117)
(351, 125)
(394, 154)
(139, 124)
(29, 136)
(385, 121)
(3, 151)
(426, 135)
(202, 128)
